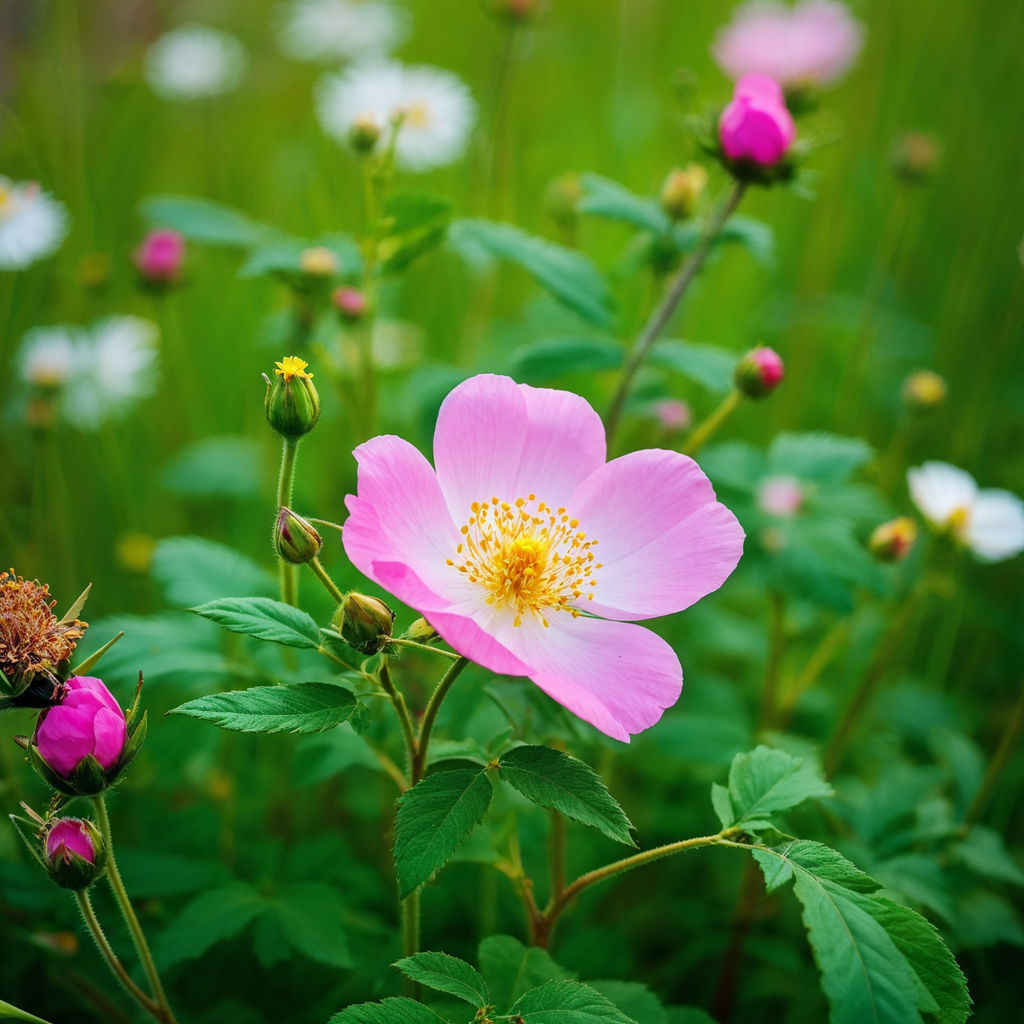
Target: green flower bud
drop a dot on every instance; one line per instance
(364, 134)
(681, 190)
(422, 632)
(365, 623)
(292, 403)
(296, 539)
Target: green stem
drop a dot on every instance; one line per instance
(556, 854)
(411, 938)
(118, 968)
(329, 585)
(663, 313)
(114, 877)
(419, 761)
(1007, 742)
(404, 718)
(288, 574)
(402, 642)
(702, 433)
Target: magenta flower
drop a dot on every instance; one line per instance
(87, 722)
(756, 125)
(69, 837)
(759, 372)
(527, 552)
(160, 256)
(812, 43)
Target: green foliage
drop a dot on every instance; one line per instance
(823, 458)
(512, 969)
(636, 1001)
(192, 571)
(567, 1002)
(264, 618)
(445, 973)
(299, 707)
(560, 782)
(215, 467)
(433, 818)
(603, 197)
(547, 359)
(284, 256)
(414, 224)
(397, 1010)
(202, 220)
(710, 367)
(11, 1012)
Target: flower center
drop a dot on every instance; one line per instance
(958, 519)
(417, 114)
(528, 556)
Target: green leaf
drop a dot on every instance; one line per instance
(707, 365)
(753, 235)
(603, 197)
(446, 973)
(722, 804)
(633, 999)
(568, 275)
(192, 570)
(215, 467)
(205, 221)
(207, 920)
(397, 1010)
(10, 1012)
(415, 223)
(548, 358)
(688, 1015)
(263, 618)
(984, 852)
(313, 920)
(284, 256)
(568, 1002)
(765, 780)
(299, 707)
(512, 968)
(559, 782)
(824, 458)
(433, 818)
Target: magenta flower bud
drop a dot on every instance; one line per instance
(350, 303)
(86, 724)
(759, 372)
(756, 125)
(75, 852)
(160, 256)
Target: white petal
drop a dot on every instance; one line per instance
(995, 529)
(939, 489)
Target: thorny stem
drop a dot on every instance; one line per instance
(321, 574)
(114, 877)
(93, 924)
(703, 432)
(660, 317)
(419, 761)
(289, 588)
(1007, 742)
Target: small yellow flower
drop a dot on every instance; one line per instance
(291, 367)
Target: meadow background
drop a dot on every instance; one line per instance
(872, 277)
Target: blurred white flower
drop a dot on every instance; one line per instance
(47, 356)
(990, 522)
(433, 108)
(195, 60)
(32, 224)
(326, 30)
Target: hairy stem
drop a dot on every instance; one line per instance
(402, 711)
(288, 572)
(321, 574)
(419, 761)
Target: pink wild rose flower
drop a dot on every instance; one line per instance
(87, 721)
(160, 256)
(756, 125)
(812, 43)
(529, 553)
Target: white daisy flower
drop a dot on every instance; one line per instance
(115, 365)
(195, 60)
(47, 356)
(990, 522)
(326, 30)
(32, 224)
(433, 108)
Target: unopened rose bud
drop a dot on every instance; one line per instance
(892, 541)
(562, 197)
(318, 262)
(365, 623)
(296, 539)
(682, 189)
(75, 853)
(422, 632)
(292, 404)
(756, 126)
(915, 157)
(924, 390)
(160, 256)
(364, 134)
(350, 303)
(759, 372)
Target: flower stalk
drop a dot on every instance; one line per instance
(285, 482)
(704, 431)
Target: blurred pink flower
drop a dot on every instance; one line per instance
(69, 837)
(524, 536)
(160, 256)
(87, 721)
(813, 42)
(673, 414)
(756, 125)
(780, 496)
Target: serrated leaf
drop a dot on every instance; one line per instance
(215, 467)
(510, 968)
(207, 920)
(603, 197)
(824, 458)
(568, 1002)
(433, 818)
(722, 804)
(300, 707)
(445, 973)
(568, 275)
(764, 780)
(264, 618)
(560, 782)
(10, 1012)
(549, 358)
(397, 1010)
(193, 570)
(633, 999)
(313, 920)
(707, 365)
(204, 221)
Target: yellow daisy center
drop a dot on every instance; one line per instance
(528, 556)
(417, 115)
(958, 519)
(292, 366)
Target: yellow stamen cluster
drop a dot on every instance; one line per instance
(31, 636)
(292, 366)
(529, 557)
(958, 519)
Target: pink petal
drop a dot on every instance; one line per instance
(496, 438)
(63, 737)
(473, 642)
(663, 541)
(614, 675)
(108, 736)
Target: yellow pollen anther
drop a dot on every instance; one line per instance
(958, 518)
(292, 366)
(527, 557)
